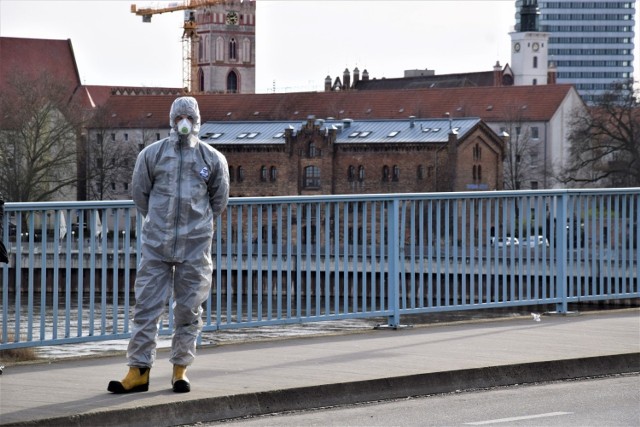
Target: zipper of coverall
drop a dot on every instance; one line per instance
(175, 238)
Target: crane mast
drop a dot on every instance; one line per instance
(189, 36)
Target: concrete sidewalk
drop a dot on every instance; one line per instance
(263, 377)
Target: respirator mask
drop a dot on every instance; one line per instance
(184, 126)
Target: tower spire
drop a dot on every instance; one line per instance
(529, 16)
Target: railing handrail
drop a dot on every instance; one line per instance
(292, 259)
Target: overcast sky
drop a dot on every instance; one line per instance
(298, 43)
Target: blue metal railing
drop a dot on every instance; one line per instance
(282, 260)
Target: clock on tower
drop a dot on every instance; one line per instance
(232, 18)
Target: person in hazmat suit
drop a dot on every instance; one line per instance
(180, 186)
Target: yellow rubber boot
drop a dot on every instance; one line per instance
(179, 380)
(137, 379)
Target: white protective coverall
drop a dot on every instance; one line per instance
(180, 186)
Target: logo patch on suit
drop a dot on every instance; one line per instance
(204, 172)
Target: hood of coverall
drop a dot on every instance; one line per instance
(188, 106)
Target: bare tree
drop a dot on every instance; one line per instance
(521, 164)
(109, 158)
(605, 144)
(39, 129)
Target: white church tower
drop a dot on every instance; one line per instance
(529, 48)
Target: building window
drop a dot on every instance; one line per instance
(535, 134)
(535, 62)
(396, 173)
(113, 137)
(233, 53)
(311, 177)
(125, 185)
(385, 173)
(263, 173)
(232, 82)
(477, 152)
(99, 139)
(479, 173)
(240, 174)
(420, 172)
(361, 173)
(351, 173)
(231, 174)
(157, 136)
(126, 136)
(475, 173)
(534, 82)
(274, 173)
(313, 151)
(534, 185)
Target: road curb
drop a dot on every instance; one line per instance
(304, 398)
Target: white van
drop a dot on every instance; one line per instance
(533, 241)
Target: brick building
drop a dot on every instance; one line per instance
(317, 156)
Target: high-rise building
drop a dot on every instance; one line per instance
(591, 43)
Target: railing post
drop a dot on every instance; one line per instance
(393, 243)
(561, 253)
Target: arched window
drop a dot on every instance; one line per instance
(274, 173)
(219, 51)
(246, 50)
(385, 173)
(311, 177)
(240, 174)
(361, 173)
(396, 173)
(535, 62)
(263, 173)
(233, 52)
(201, 80)
(475, 175)
(479, 173)
(351, 172)
(313, 152)
(231, 174)
(232, 82)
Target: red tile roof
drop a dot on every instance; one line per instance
(32, 57)
(492, 104)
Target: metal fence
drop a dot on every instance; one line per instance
(282, 260)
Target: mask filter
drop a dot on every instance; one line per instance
(184, 127)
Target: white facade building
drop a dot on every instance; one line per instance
(590, 42)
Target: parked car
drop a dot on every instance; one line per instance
(506, 242)
(533, 241)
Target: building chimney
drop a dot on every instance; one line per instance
(346, 79)
(365, 75)
(412, 122)
(327, 84)
(497, 74)
(552, 74)
(356, 76)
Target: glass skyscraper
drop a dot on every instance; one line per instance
(591, 42)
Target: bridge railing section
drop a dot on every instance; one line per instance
(302, 259)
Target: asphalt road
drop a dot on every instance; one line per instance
(609, 401)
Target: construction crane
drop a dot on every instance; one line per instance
(189, 36)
